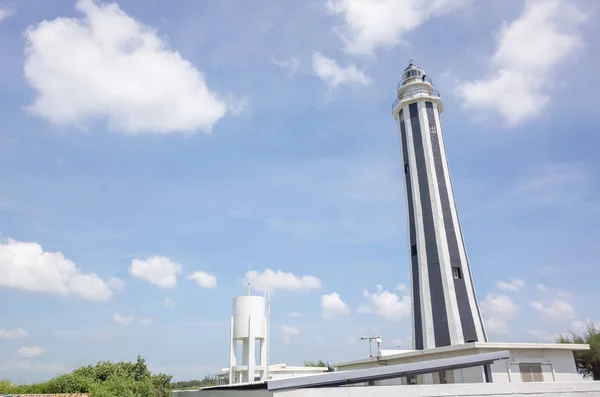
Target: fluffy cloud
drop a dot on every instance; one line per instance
(528, 49)
(333, 306)
(106, 64)
(26, 266)
(387, 304)
(168, 303)
(5, 12)
(558, 309)
(18, 333)
(272, 280)
(204, 280)
(124, 320)
(515, 284)
(288, 331)
(542, 288)
(30, 352)
(498, 311)
(333, 75)
(158, 270)
(116, 284)
(288, 66)
(543, 336)
(371, 24)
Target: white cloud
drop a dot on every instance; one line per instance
(288, 66)
(294, 314)
(558, 309)
(168, 303)
(158, 270)
(25, 266)
(382, 23)
(565, 184)
(387, 304)
(18, 333)
(528, 50)
(515, 284)
(563, 294)
(30, 367)
(402, 287)
(124, 320)
(272, 280)
(333, 75)
(333, 306)
(498, 311)
(364, 308)
(106, 64)
(203, 279)
(542, 288)
(145, 321)
(580, 326)
(30, 352)
(116, 284)
(5, 12)
(286, 329)
(543, 336)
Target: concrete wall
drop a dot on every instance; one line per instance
(557, 366)
(555, 389)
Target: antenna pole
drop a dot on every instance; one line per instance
(268, 297)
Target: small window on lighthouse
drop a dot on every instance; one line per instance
(406, 168)
(456, 273)
(432, 128)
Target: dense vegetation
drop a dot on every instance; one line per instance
(105, 379)
(587, 361)
(194, 384)
(318, 363)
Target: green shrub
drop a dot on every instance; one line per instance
(105, 379)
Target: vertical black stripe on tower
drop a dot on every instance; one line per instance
(436, 287)
(416, 289)
(460, 288)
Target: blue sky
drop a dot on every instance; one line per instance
(154, 155)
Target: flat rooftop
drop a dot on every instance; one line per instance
(471, 346)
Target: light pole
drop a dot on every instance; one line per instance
(370, 339)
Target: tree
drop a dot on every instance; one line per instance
(587, 361)
(318, 363)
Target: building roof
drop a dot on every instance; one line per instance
(341, 378)
(471, 346)
(282, 368)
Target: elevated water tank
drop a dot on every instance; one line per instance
(249, 316)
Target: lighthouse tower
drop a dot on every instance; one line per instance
(445, 307)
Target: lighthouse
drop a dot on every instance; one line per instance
(444, 303)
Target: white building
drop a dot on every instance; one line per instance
(382, 380)
(529, 362)
(277, 371)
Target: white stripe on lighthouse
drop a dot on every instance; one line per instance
(425, 294)
(454, 324)
(475, 310)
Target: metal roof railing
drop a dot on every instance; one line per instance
(422, 92)
(416, 78)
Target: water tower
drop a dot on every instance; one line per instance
(249, 327)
